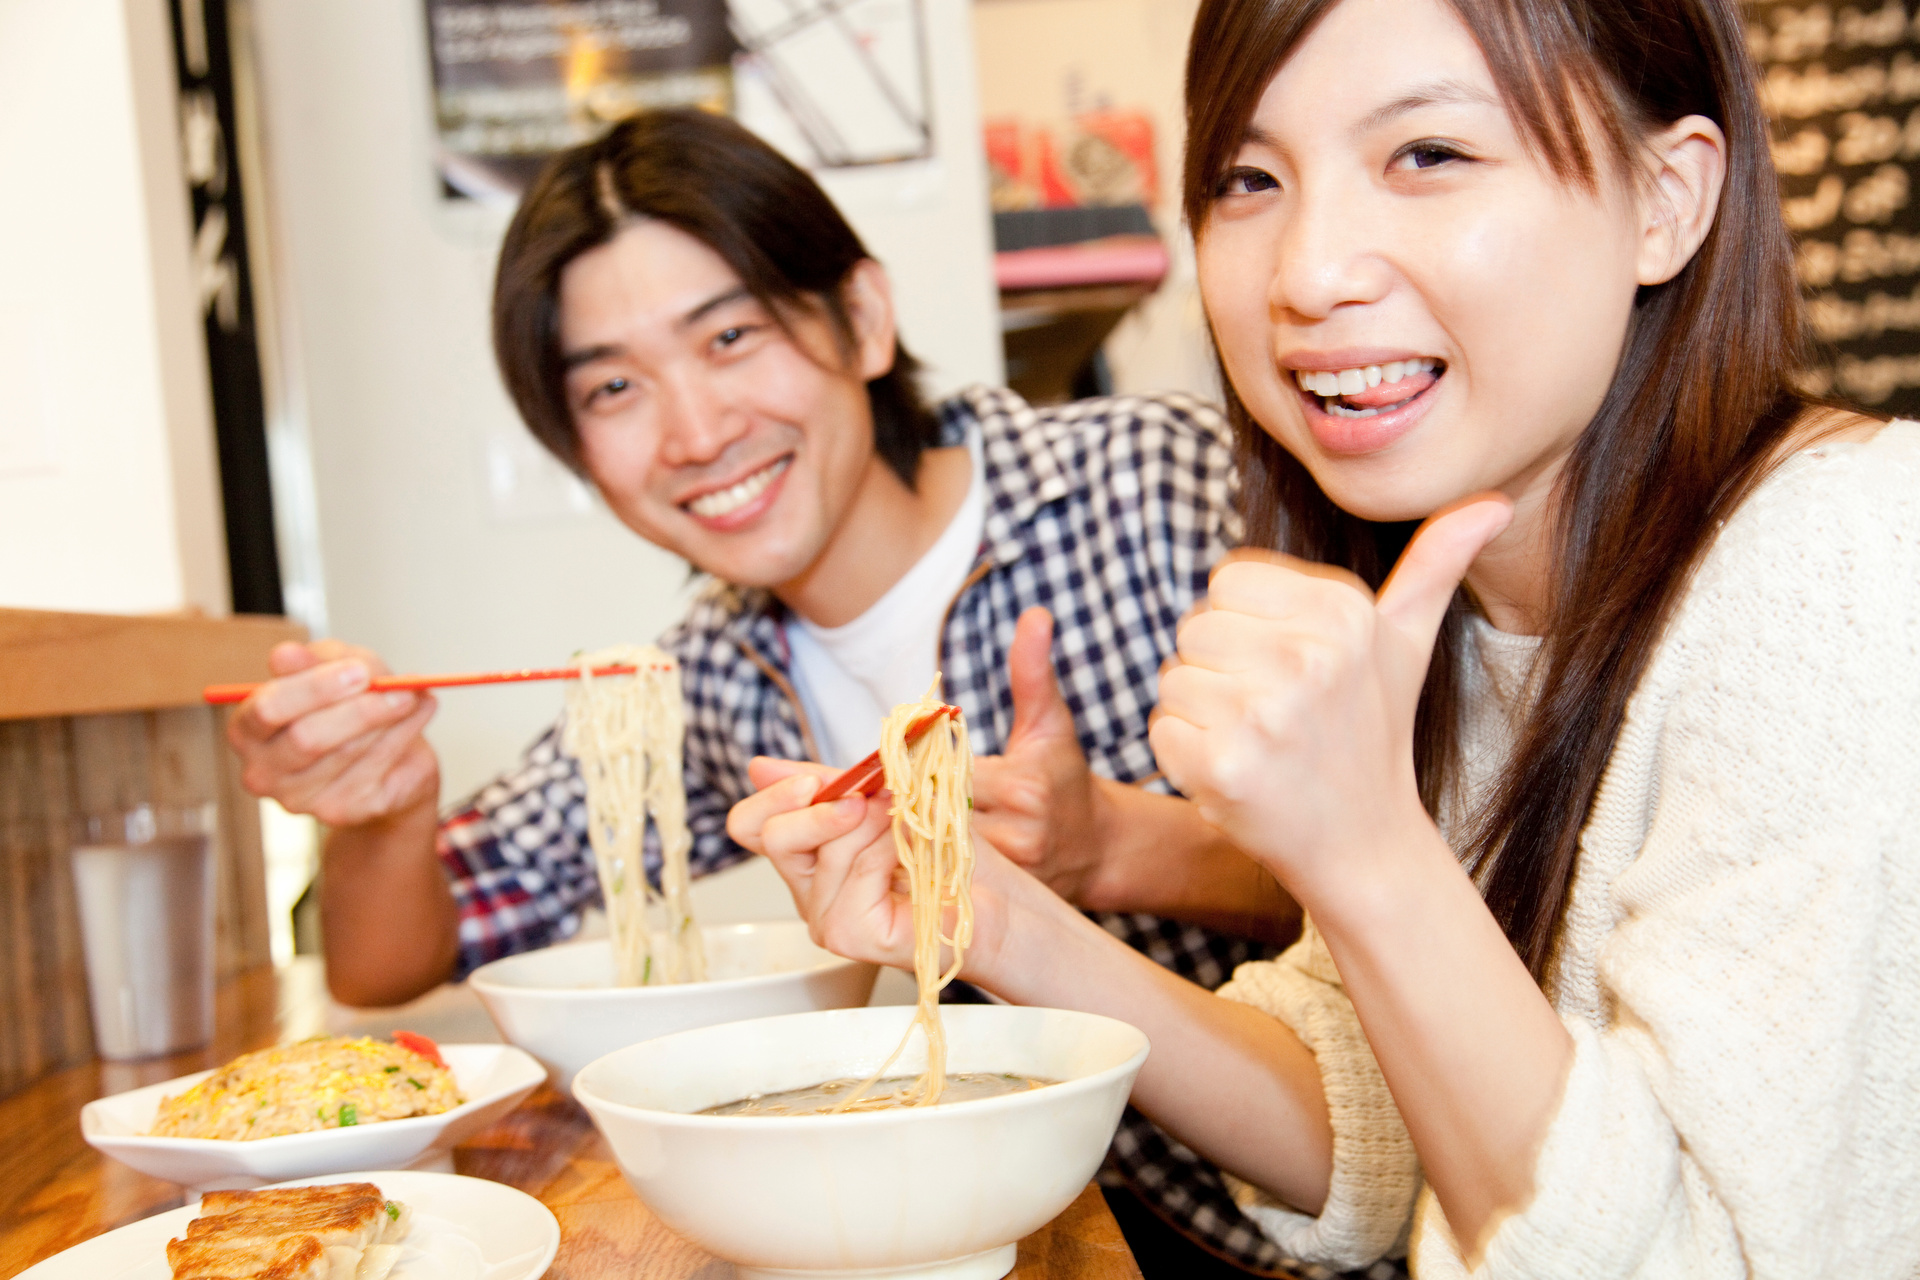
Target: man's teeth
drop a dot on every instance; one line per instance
(732, 498)
(1349, 382)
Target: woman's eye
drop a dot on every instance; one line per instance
(729, 336)
(1427, 155)
(1243, 182)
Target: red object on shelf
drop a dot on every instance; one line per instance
(1114, 260)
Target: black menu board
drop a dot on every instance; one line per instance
(1842, 85)
(516, 80)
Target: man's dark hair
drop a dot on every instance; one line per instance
(711, 178)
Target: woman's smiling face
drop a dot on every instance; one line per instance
(1384, 217)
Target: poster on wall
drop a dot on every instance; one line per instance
(833, 83)
(1842, 86)
(516, 80)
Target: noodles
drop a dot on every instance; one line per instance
(932, 785)
(627, 732)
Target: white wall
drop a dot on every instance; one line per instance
(387, 288)
(109, 498)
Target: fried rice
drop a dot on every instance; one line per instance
(329, 1082)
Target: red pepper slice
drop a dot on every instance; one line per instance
(421, 1045)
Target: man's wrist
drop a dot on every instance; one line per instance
(408, 828)
(1112, 879)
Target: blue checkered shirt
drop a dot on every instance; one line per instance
(1108, 512)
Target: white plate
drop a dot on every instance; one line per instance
(492, 1077)
(463, 1229)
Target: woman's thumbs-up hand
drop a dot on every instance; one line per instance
(1288, 716)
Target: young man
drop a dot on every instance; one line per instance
(683, 317)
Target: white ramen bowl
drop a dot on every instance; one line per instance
(493, 1078)
(560, 1004)
(932, 1192)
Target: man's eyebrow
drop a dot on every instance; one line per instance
(711, 305)
(572, 360)
(1438, 93)
(587, 355)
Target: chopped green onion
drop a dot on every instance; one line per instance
(415, 1083)
(646, 972)
(391, 1070)
(348, 1116)
(393, 1212)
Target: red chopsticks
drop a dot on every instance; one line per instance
(224, 694)
(867, 777)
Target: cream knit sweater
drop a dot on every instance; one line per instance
(1740, 962)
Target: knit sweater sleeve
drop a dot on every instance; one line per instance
(1744, 1098)
(1375, 1173)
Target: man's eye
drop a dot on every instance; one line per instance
(1244, 181)
(611, 387)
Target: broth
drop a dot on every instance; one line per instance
(819, 1099)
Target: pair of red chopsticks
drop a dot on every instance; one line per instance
(867, 777)
(864, 778)
(221, 695)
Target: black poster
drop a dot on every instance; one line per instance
(224, 281)
(1842, 85)
(516, 80)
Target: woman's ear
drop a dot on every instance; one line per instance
(868, 298)
(1687, 162)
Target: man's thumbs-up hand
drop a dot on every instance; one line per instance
(1035, 802)
(1288, 716)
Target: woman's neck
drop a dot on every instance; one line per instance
(1513, 577)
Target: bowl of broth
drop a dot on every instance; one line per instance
(720, 1132)
(561, 1005)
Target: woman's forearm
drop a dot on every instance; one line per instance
(1160, 856)
(1230, 1081)
(1474, 1054)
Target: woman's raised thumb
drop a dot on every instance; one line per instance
(1415, 597)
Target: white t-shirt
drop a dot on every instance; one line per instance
(848, 677)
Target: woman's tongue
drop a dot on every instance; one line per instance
(1391, 393)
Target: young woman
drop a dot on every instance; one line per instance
(1606, 808)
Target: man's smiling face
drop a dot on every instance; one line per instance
(709, 428)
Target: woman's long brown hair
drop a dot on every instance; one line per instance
(1697, 410)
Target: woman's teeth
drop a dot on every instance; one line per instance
(1331, 385)
(732, 498)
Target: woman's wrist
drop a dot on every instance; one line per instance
(1034, 928)
(1360, 875)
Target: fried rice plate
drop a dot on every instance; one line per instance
(330, 1082)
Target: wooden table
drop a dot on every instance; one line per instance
(56, 1191)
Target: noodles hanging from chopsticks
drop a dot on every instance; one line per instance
(628, 733)
(931, 780)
